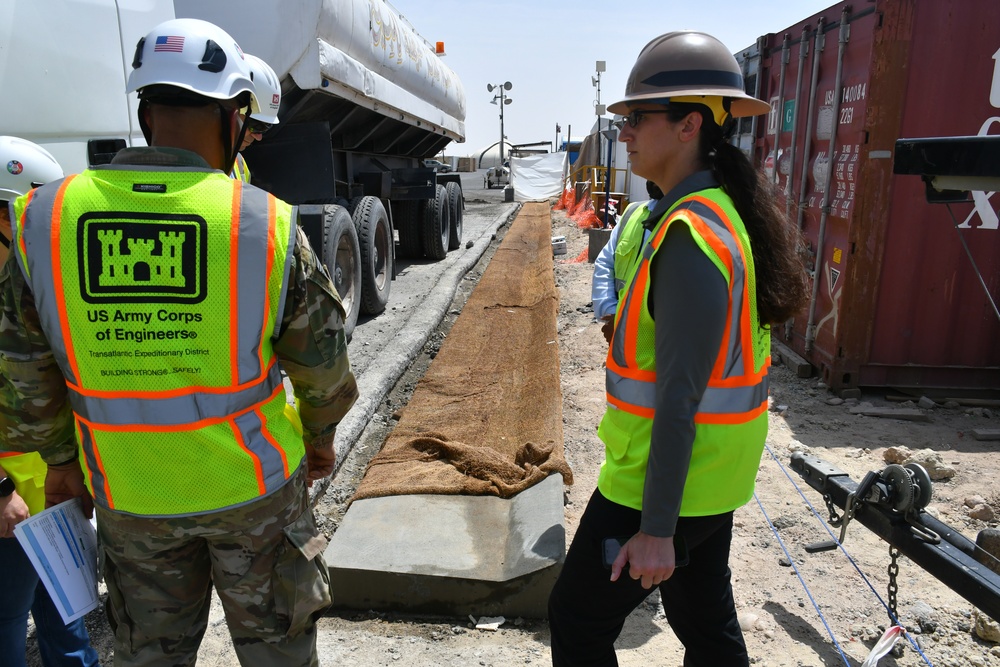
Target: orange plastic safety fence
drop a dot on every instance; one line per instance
(579, 259)
(588, 220)
(566, 200)
(580, 207)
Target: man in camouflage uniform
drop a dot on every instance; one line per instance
(203, 483)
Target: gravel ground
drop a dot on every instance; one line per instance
(777, 602)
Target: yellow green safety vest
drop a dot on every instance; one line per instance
(241, 170)
(160, 292)
(731, 421)
(629, 246)
(28, 472)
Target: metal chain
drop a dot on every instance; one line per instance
(835, 518)
(893, 587)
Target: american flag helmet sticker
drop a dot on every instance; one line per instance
(169, 43)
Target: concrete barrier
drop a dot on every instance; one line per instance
(598, 239)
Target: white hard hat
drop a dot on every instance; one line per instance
(25, 165)
(267, 89)
(193, 55)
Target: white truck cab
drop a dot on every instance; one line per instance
(63, 67)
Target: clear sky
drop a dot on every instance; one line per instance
(547, 49)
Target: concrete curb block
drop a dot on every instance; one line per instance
(398, 356)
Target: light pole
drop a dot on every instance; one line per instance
(599, 110)
(504, 100)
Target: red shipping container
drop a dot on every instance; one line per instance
(897, 301)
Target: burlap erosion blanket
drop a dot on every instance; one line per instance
(486, 419)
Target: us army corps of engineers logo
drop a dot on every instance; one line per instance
(148, 258)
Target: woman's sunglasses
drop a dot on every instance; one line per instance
(634, 117)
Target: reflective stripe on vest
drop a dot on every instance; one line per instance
(736, 390)
(639, 397)
(239, 392)
(241, 170)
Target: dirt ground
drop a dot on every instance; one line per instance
(777, 603)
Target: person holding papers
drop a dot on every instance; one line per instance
(23, 166)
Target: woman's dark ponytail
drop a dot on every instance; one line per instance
(781, 283)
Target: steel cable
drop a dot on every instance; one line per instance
(851, 560)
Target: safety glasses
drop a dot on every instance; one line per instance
(257, 127)
(634, 117)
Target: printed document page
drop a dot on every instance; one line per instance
(62, 545)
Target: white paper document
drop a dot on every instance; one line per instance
(62, 545)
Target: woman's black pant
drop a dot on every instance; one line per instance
(587, 610)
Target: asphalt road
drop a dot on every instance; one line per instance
(383, 346)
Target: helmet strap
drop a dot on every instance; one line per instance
(143, 125)
(231, 149)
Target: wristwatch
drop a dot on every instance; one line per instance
(6, 487)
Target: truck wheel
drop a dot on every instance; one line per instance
(436, 227)
(407, 214)
(455, 206)
(352, 204)
(342, 258)
(374, 238)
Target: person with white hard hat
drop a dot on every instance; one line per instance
(267, 90)
(159, 301)
(25, 166)
(686, 369)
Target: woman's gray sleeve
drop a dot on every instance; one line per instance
(689, 300)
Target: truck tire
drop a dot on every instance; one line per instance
(436, 225)
(374, 239)
(352, 204)
(455, 206)
(342, 258)
(407, 214)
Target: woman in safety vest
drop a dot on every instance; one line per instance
(687, 367)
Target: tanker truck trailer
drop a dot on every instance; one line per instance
(365, 99)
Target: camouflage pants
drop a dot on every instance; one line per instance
(264, 559)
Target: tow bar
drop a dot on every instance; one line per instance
(891, 503)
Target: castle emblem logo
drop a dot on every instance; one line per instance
(128, 257)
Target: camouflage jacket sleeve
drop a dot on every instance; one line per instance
(34, 412)
(312, 346)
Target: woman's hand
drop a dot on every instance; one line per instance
(650, 559)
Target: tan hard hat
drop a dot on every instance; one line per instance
(683, 64)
